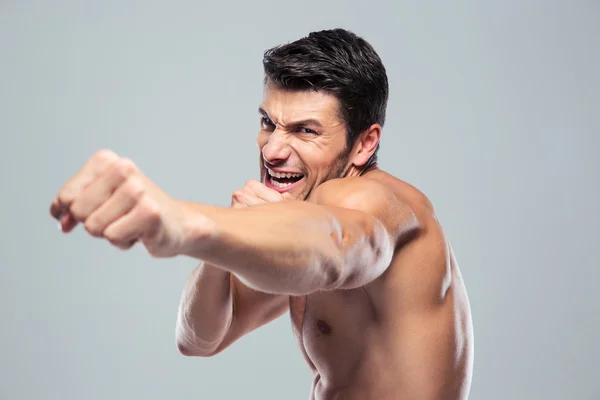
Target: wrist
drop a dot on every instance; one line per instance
(198, 230)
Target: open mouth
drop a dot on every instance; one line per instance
(282, 180)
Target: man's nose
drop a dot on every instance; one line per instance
(277, 148)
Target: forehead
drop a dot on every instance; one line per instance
(286, 106)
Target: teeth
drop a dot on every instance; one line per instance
(279, 184)
(283, 175)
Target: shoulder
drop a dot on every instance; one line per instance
(379, 198)
(377, 188)
(353, 192)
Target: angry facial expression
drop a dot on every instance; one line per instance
(302, 140)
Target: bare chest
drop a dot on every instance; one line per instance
(332, 330)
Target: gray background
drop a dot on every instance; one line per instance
(494, 113)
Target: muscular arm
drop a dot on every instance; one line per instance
(216, 309)
(344, 237)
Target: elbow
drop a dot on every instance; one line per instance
(190, 351)
(333, 264)
(360, 259)
(332, 268)
(184, 345)
(188, 348)
(185, 349)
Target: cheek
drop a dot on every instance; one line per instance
(317, 158)
(327, 164)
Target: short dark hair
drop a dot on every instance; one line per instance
(337, 62)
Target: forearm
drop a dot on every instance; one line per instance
(205, 311)
(292, 248)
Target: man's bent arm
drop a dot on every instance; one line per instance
(299, 247)
(216, 309)
(205, 310)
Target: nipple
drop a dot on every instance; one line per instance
(323, 327)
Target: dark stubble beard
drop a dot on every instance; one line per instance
(340, 165)
(338, 168)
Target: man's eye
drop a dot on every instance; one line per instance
(266, 123)
(306, 130)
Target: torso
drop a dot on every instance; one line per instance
(384, 341)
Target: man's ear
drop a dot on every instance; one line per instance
(365, 145)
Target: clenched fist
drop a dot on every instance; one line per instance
(254, 193)
(114, 200)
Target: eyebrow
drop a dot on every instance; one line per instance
(295, 124)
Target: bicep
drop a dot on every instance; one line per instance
(251, 310)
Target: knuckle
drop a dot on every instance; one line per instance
(105, 155)
(93, 227)
(125, 167)
(237, 199)
(76, 212)
(66, 196)
(109, 235)
(150, 210)
(126, 245)
(252, 183)
(134, 187)
(116, 243)
(112, 236)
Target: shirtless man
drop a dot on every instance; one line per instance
(355, 255)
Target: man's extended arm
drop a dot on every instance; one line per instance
(344, 238)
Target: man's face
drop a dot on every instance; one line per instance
(302, 140)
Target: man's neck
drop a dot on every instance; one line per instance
(362, 170)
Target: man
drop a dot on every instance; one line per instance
(355, 255)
